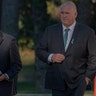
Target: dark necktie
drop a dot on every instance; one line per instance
(66, 37)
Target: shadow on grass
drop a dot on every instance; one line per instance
(27, 73)
(29, 87)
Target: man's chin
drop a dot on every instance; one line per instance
(66, 24)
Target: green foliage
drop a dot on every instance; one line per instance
(26, 43)
(25, 16)
(56, 2)
(25, 24)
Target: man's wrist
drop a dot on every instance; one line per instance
(6, 76)
(50, 57)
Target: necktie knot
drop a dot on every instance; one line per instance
(66, 30)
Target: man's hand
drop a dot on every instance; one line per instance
(58, 58)
(2, 77)
(87, 80)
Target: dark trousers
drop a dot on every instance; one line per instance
(5, 88)
(77, 91)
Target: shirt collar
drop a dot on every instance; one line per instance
(70, 27)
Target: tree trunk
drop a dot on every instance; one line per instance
(39, 14)
(9, 18)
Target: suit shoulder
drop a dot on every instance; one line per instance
(54, 26)
(85, 27)
(5, 35)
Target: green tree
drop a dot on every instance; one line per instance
(26, 33)
(25, 18)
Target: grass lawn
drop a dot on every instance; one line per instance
(26, 87)
(29, 87)
(27, 76)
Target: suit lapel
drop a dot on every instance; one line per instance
(60, 38)
(1, 37)
(59, 30)
(74, 37)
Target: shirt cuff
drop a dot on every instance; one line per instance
(50, 57)
(7, 77)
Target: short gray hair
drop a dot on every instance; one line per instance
(69, 3)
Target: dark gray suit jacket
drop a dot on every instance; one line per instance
(10, 63)
(80, 57)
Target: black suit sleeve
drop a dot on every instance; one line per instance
(15, 62)
(42, 47)
(91, 69)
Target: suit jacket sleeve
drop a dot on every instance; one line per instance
(42, 47)
(15, 62)
(91, 69)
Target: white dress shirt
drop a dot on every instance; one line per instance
(70, 32)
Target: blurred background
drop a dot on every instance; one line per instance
(27, 20)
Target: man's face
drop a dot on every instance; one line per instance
(67, 15)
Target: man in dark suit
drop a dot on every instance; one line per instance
(10, 64)
(72, 66)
